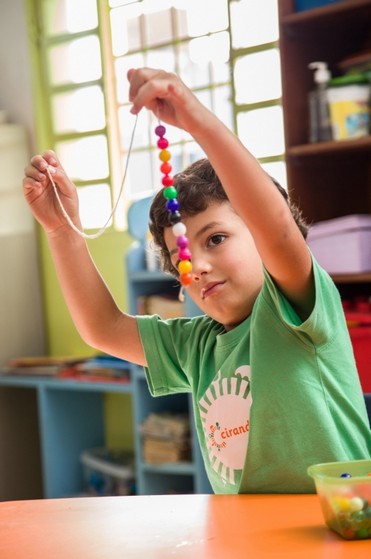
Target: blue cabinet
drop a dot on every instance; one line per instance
(183, 477)
(67, 418)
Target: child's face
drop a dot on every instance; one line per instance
(227, 269)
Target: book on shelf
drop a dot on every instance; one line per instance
(166, 306)
(166, 438)
(159, 451)
(101, 368)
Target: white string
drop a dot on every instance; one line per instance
(102, 230)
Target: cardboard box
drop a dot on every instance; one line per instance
(342, 245)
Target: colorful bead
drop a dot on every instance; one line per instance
(172, 205)
(165, 155)
(167, 180)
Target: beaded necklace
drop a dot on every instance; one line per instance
(184, 265)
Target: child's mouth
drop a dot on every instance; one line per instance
(210, 289)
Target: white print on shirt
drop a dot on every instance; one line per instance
(225, 413)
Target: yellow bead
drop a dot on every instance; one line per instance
(165, 155)
(184, 267)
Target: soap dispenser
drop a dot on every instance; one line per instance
(319, 115)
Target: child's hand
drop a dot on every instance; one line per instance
(40, 195)
(167, 97)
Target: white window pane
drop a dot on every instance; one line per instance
(85, 159)
(122, 65)
(161, 58)
(262, 131)
(206, 16)
(193, 74)
(277, 170)
(77, 62)
(258, 77)
(253, 22)
(223, 106)
(125, 28)
(79, 111)
(139, 181)
(127, 122)
(212, 48)
(158, 28)
(69, 16)
(95, 205)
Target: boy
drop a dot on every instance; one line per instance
(270, 364)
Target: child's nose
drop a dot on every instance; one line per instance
(200, 265)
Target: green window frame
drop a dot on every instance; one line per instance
(226, 51)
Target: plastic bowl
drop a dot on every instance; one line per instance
(344, 489)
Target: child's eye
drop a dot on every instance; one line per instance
(217, 239)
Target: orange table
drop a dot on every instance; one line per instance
(162, 527)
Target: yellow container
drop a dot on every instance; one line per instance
(349, 110)
(344, 489)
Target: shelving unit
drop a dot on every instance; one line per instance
(57, 421)
(185, 477)
(329, 179)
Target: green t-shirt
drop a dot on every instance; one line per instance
(272, 396)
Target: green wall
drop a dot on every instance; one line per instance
(108, 252)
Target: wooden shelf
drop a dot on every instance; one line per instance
(352, 278)
(326, 180)
(356, 146)
(330, 14)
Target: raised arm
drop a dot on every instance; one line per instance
(96, 316)
(253, 195)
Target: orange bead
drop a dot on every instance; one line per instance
(185, 267)
(165, 155)
(185, 279)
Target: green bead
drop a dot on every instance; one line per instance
(170, 193)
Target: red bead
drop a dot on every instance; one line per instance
(162, 143)
(167, 180)
(166, 168)
(185, 279)
(160, 130)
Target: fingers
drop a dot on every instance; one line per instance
(36, 171)
(148, 87)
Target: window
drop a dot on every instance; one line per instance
(226, 51)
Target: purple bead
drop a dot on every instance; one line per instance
(172, 205)
(182, 241)
(160, 130)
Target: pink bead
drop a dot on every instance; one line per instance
(182, 241)
(162, 143)
(184, 254)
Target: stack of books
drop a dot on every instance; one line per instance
(166, 438)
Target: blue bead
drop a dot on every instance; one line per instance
(172, 205)
(345, 474)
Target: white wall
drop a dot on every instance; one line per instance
(21, 317)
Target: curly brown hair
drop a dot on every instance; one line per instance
(198, 186)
